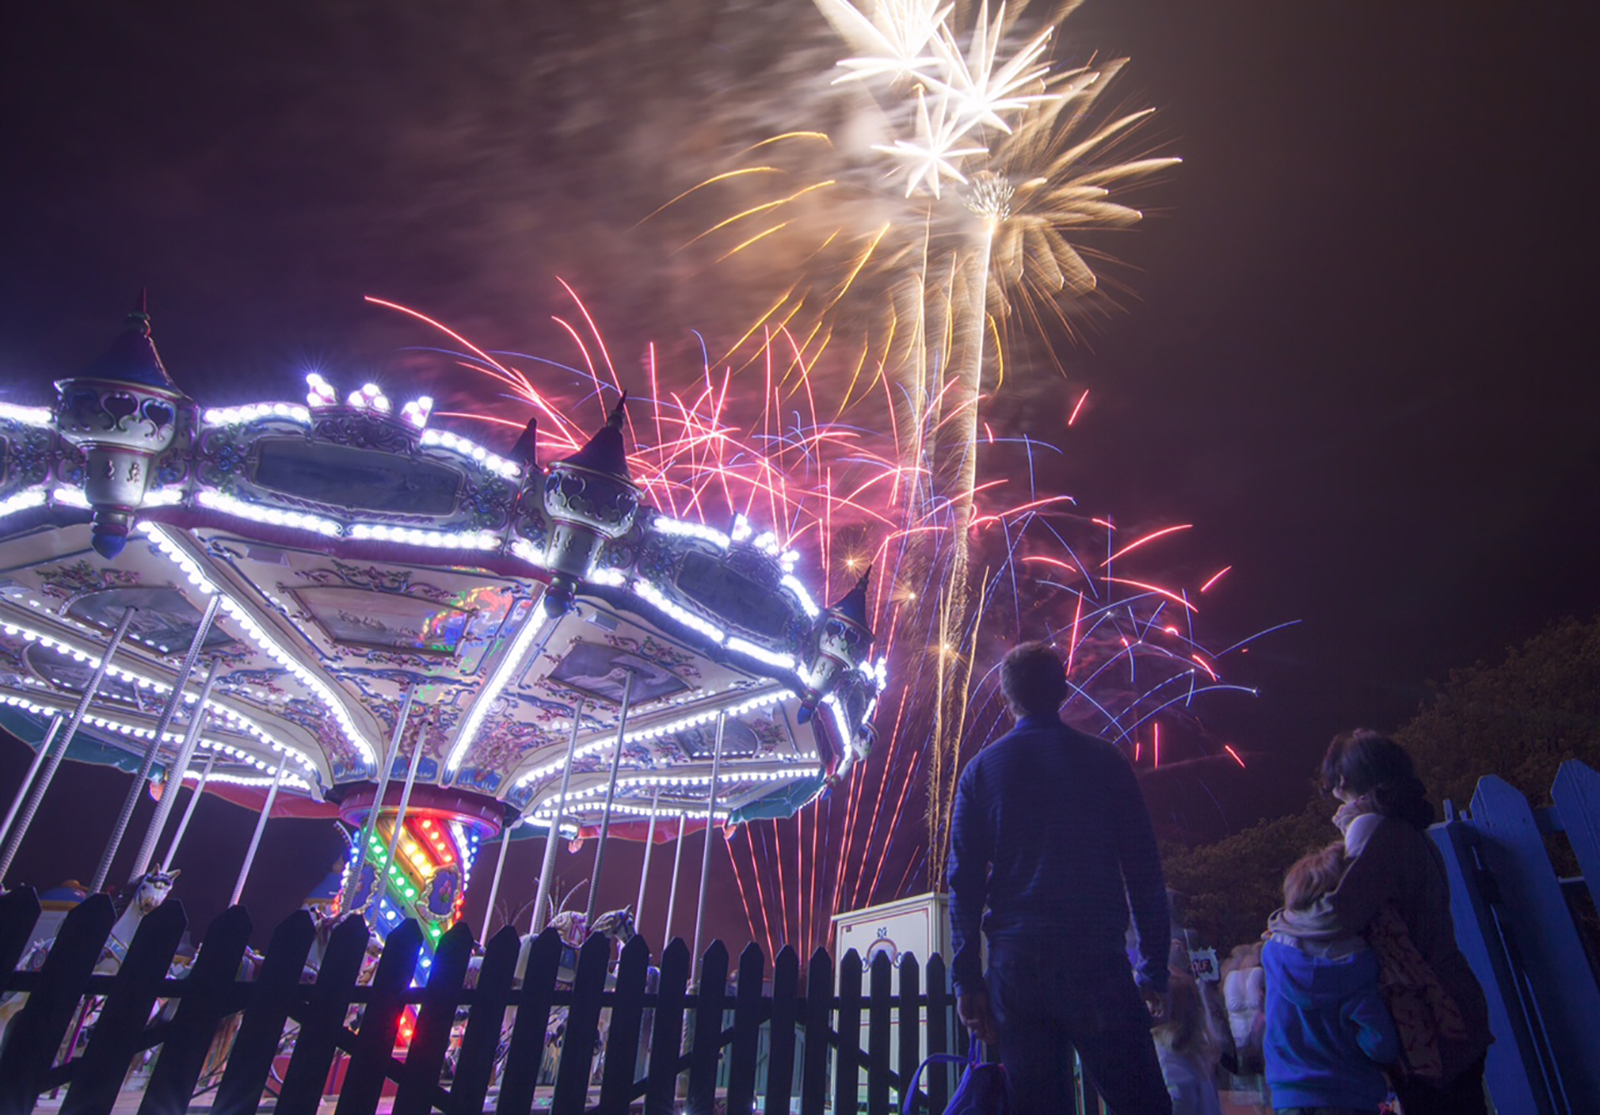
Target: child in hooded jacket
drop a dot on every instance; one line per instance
(1327, 1029)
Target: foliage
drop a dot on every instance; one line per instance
(1520, 718)
(1231, 885)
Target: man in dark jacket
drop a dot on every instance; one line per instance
(1051, 834)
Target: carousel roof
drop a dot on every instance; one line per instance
(360, 555)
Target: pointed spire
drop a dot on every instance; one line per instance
(132, 357)
(853, 604)
(605, 452)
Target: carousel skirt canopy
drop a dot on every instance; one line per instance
(330, 604)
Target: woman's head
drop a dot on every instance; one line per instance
(1362, 763)
(1313, 876)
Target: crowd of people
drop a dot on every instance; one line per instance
(1356, 1000)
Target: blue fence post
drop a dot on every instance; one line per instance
(1577, 797)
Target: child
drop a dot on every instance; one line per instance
(1187, 1047)
(1327, 1029)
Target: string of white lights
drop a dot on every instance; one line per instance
(28, 416)
(531, 625)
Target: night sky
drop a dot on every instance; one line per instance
(1357, 358)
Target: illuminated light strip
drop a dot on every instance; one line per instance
(682, 615)
(243, 722)
(490, 693)
(760, 653)
(240, 780)
(528, 552)
(469, 539)
(233, 416)
(258, 635)
(656, 732)
(21, 501)
(510, 470)
(41, 417)
(162, 497)
(847, 735)
(691, 530)
(616, 578)
(72, 497)
(694, 813)
(794, 585)
(273, 516)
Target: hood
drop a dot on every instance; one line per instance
(1317, 981)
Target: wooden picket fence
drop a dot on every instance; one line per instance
(709, 1049)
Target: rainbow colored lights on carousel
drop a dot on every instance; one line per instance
(397, 626)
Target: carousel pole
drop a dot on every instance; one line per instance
(547, 869)
(369, 825)
(33, 772)
(705, 858)
(163, 722)
(611, 794)
(649, 846)
(677, 861)
(14, 840)
(188, 812)
(255, 837)
(499, 866)
(382, 878)
(174, 779)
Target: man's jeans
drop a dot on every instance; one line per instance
(1047, 1001)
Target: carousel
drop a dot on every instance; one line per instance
(330, 607)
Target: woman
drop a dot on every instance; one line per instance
(1396, 878)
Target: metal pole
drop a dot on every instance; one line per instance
(347, 895)
(174, 780)
(14, 841)
(255, 837)
(611, 794)
(672, 891)
(548, 868)
(188, 812)
(494, 887)
(163, 722)
(33, 771)
(705, 858)
(382, 876)
(649, 846)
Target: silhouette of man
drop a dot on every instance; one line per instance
(1051, 835)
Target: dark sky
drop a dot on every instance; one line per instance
(1358, 359)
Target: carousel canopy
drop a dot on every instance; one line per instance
(360, 556)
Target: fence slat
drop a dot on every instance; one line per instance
(205, 1001)
(37, 1031)
(275, 988)
(847, 1064)
(706, 1050)
(666, 1037)
(748, 1016)
(881, 988)
(436, 1016)
(526, 1049)
(127, 1008)
(819, 1007)
(322, 1024)
(910, 1019)
(1577, 796)
(485, 1024)
(372, 1052)
(938, 1076)
(622, 1036)
(19, 913)
(780, 1058)
(582, 1033)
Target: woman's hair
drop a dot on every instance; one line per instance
(1187, 1028)
(1313, 876)
(1033, 679)
(1366, 764)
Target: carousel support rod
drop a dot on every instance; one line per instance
(705, 858)
(174, 779)
(672, 891)
(649, 846)
(499, 867)
(382, 876)
(255, 837)
(33, 772)
(370, 825)
(163, 722)
(611, 795)
(188, 812)
(547, 868)
(36, 795)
